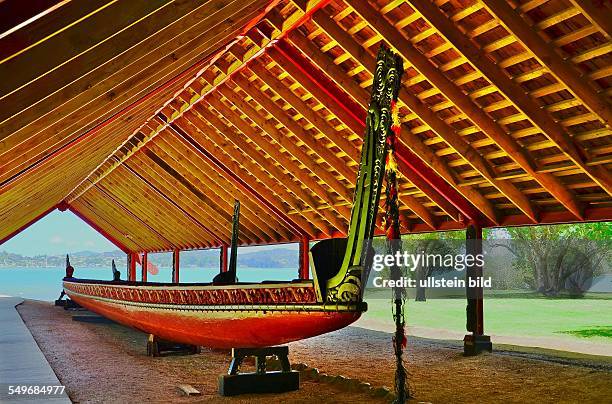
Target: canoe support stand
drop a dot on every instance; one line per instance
(260, 381)
(160, 347)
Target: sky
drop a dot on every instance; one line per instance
(61, 233)
(57, 233)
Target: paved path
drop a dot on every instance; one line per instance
(21, 361)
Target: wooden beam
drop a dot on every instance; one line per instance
(132, 260)
(598, 13)
(144, 270)
(245, 129)
(294, 127)
(302, 229)
(288, 144)
(440, 169)
(563, 71)
(304, 258)
(422, 64)
(207, 179)
(223, 259)
(16, 14)
(176, 266)
(512, 91)
(264, 164)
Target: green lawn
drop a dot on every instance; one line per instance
(566, 318)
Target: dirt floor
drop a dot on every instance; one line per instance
(100, 362)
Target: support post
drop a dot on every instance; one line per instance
(145, 264)
(262, 380)
(132, 267)
(175, 266)
(304, 270)
(223, 259)
(475, 342)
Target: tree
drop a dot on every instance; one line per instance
(560, 258)
(439, 244)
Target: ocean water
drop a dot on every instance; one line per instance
(46, 283)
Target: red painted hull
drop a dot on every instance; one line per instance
(214, 325)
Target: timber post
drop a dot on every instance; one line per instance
(476, 342)
(131, 262)
(145, 264)
(304, 269)
(176, 266)
(223, 259)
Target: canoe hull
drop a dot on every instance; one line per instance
(221, 325)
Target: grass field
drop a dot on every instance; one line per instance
(587, 319)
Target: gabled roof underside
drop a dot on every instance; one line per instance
(148, 120)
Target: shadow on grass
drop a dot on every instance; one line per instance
(598, 331)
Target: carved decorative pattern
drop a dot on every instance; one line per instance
(245, 295)
(346, 285)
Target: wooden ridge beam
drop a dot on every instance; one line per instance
(297, 229)
(465, 204)
(512, 91)
(422, 64)
(564, 71)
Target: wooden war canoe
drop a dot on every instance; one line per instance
(229, 314)
(221, 316)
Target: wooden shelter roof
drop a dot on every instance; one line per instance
(147, 119)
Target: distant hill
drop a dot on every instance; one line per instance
(272, 258)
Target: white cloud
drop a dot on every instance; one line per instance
(56, 239)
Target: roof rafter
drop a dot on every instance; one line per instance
(598, 13)
(368, 62)
(288, 164)
(287, 144)
(235, 157)
(513, 92)
(303, 109)
(200, 174)
(547, 56)
(281, 178)
(422, 64)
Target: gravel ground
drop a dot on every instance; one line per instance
(108, 363)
